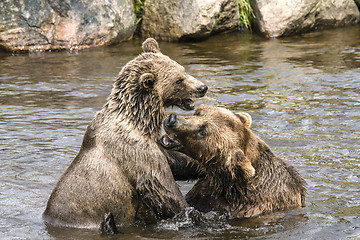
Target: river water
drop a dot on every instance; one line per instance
(303, 93)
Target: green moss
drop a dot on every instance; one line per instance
(358, 3)
(138, 9)
(246, 13)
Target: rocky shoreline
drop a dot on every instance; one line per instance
(64, 25)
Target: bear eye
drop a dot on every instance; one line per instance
(179, 80)
(201, 131)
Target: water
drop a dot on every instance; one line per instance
(303, 94)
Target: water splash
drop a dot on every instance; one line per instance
(192, 218)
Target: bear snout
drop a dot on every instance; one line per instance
(170, 121)
(202, 90)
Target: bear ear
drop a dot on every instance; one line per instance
(236, 160)
(150, 45)
(147, 80)
(245, 118)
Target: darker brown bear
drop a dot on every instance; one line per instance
(120, 169)
(243, 177)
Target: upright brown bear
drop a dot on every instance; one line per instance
(243, 177)
(120, 168)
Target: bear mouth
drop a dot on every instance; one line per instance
(187, 104)
(167, 143)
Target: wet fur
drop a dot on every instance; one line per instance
(120, 168)
(227, 156)
(276, 186)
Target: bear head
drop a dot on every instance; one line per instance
(147, 85)
(155, 74)
(169, 79)
(214, 137)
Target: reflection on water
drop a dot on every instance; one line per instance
(303, 93)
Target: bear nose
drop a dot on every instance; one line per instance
(170, 121)
(202, 90)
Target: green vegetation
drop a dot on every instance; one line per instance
(138, 9)
(358, 3)
(246, 13)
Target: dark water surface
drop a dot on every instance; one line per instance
(302, 92)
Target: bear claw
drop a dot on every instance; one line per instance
(108, 226)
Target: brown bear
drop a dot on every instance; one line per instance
(120, 168)
(243, 177)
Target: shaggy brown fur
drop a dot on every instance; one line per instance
(120, 168)
(244, 178)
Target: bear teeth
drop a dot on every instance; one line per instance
(188, 104)
(165, 140)
(168, 143)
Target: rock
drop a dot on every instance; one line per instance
(276, 18)
(188, 19)
(64, 24)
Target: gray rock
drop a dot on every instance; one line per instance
(276, 18)
(188, 19)
(32, 25)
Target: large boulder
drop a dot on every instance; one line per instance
(276, 18)
(31, 25)
(188, 19)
